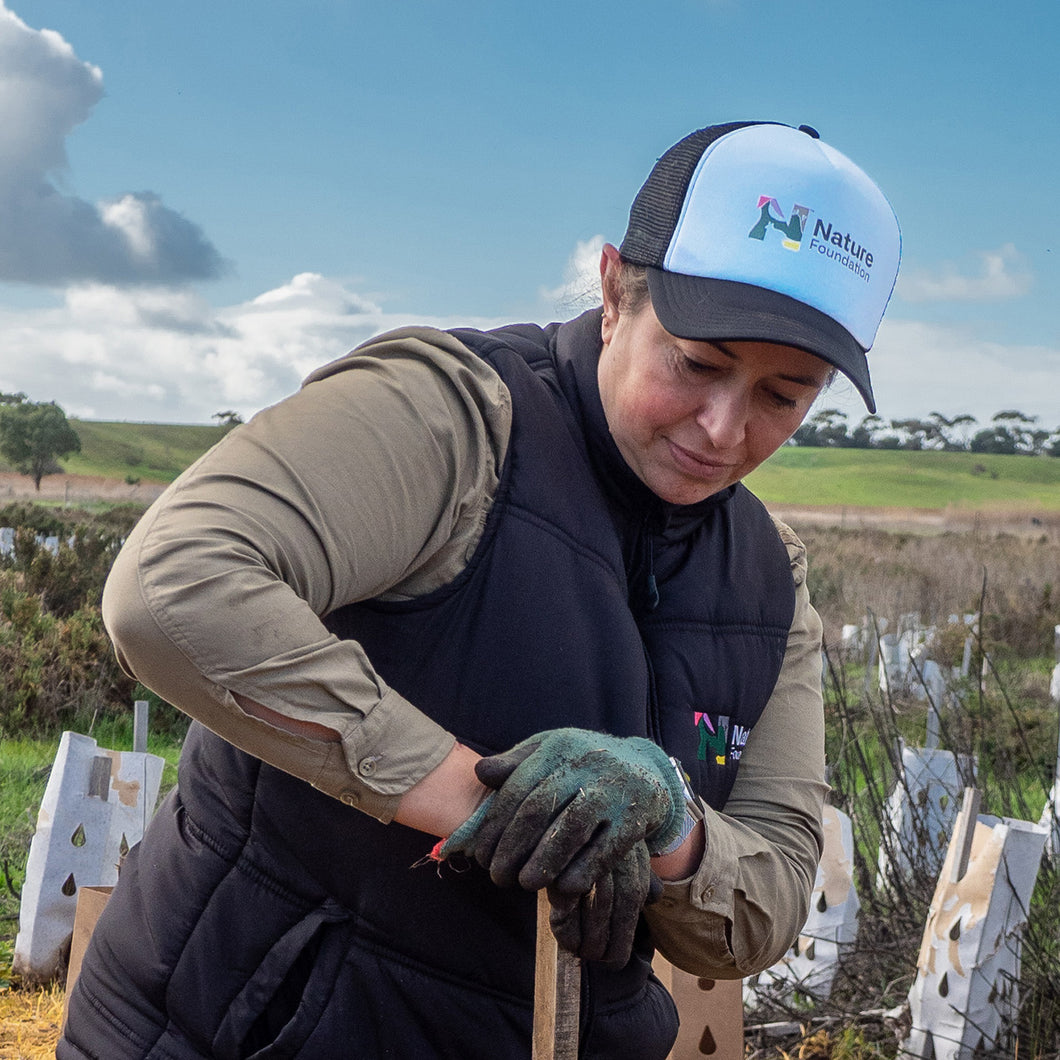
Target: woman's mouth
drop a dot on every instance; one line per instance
(703, 466)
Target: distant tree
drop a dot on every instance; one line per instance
(994, 440)
(34, 435)
(864, 434)
(942, 433)
(1012, 432)
(962, 425)
(228, 418)
(12, 399)
(826, 428)
(913, 432)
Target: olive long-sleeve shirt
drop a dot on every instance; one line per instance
(374, 481)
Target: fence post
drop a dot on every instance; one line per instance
(141, 710)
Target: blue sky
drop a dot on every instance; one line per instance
(200, 202)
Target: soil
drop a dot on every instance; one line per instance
(1021, 522)
(76, 489)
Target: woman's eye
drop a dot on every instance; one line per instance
(697, 367)
(782, 401)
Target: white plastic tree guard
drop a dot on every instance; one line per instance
(831, 927)
(95, 807)
(1051, 814)
(965, 996)
(921, 812)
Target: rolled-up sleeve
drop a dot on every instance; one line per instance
(373, 480)
(747, 902)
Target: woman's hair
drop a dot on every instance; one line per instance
(629, 288)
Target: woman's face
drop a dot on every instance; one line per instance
(693, 417)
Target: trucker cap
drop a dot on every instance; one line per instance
(760, 231)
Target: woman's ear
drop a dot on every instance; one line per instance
(610, 286)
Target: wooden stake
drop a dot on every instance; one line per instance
(966, 821)
(557, 993)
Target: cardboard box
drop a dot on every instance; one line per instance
(711, 1012)
(90, 903)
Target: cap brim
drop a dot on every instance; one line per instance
(696, 307)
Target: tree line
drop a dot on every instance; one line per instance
(1009, 431)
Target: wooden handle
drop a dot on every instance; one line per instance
(557, 993)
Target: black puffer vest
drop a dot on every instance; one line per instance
(260, 918)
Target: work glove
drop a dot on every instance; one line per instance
(599, 925)
(569, 805)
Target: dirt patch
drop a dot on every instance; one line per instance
(76, 489)
(992, 521)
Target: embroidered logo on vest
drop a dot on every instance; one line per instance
(720, 737)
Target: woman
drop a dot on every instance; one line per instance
(530, 545)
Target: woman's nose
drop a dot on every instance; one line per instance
(724, 417)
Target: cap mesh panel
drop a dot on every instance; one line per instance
(655, 210)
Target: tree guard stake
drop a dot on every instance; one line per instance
(557, 993)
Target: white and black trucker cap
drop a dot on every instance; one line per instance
(759, 231)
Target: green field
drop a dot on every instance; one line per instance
(888, 478)
(795, 475)
(155, 451)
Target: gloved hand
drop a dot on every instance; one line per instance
(569, 806)
(599, 925)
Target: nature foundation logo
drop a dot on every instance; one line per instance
(719, 738)
(842, 248)
(770, 215)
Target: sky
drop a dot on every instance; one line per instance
(201, 202)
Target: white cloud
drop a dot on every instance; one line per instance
(919, 368)
(163, 355)
(1002, 274)
(580, 289)
(167, 355)
(47, 237)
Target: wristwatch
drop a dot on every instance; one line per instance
(693, 810)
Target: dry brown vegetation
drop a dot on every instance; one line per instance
(1013, 577)
(1000, 713)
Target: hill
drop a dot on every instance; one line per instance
(158, 452)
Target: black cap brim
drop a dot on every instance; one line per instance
(695, 307)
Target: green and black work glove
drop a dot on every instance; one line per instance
(569, 806)
(599, 925)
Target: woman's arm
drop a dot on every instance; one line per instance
(372, 480)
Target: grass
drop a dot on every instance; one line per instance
(798, 475)
(1008, 722)
(155, 451)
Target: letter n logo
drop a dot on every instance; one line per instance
(772, 216)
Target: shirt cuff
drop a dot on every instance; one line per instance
(392, 748)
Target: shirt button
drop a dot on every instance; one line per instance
(366, 766)
(348, 797)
